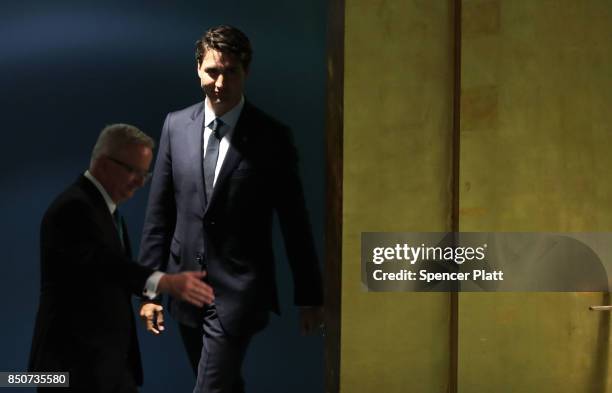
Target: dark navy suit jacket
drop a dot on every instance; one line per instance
(85, 323)
(231, 235)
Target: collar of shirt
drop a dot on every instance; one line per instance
(230, 118)
(109, 202)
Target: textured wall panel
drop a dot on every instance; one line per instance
(536, 127)
(397, 167)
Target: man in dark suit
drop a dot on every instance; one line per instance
(84, 323)
(223, 168)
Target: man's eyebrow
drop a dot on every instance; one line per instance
(221, 69)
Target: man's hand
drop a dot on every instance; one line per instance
(187, 286)
(152, 315)
(311, 318)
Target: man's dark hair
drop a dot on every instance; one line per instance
(225, 39)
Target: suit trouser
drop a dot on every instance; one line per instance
(192, 341)
(219, 363)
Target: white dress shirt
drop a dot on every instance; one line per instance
(229, 119)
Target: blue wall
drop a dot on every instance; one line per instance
(67, 68)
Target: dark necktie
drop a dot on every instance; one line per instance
(210, 157)
(119, 225)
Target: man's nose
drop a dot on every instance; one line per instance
(219, 81)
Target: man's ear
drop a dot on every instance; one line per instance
(104, 165)
(99, 168)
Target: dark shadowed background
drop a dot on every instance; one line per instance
(68, 68)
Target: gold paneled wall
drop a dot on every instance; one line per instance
(397, 114)
(536, 95)
(536, 128)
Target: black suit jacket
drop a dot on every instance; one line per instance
(231, 235)
(85, 322)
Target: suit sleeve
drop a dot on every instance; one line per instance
(295, 225)
(75, 252)
(160, 218)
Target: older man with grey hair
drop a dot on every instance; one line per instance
(85, 322)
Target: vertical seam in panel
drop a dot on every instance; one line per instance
(456, 152)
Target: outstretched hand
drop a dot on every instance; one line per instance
(187, 286)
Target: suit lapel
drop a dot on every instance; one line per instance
(195, 140)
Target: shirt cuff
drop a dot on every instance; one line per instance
(150, 289)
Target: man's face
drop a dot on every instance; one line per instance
(222, 78)
(127, 171)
